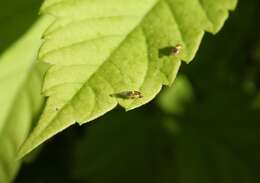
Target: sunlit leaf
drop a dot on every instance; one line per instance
(98, 48)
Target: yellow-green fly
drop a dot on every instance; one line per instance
(128, 95)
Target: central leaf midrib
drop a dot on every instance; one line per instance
(112, 53)
(124, 39)
(120, 44)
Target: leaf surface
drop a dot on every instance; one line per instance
(97, 48)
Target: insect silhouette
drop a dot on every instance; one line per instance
(128, 95)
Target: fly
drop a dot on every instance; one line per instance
(128, 95)
(177, 49)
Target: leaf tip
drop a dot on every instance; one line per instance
(22, 152)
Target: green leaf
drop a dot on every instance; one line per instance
(20, 99)
(97, 48)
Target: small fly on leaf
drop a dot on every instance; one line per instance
(177, 49)
(128, 95)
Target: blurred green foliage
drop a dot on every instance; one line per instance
(205, 130)
(20, 80)
(173, 99)
(16, 17)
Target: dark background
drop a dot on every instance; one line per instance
(205, 130)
